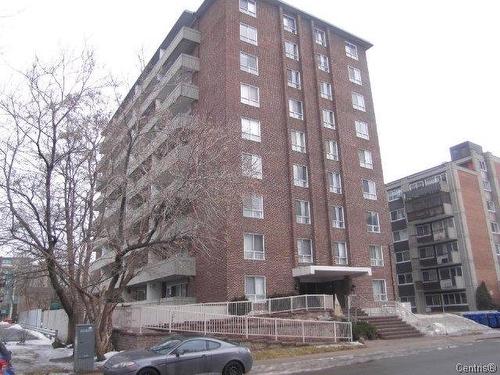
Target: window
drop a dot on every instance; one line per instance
(253, 206)
(255, 288)
(369, 190)
(335, 182)
(293, 78)
(416, 185)
(429, 276)
(400, 235)
(323, 62)
(491, 206)
(300, 176)
(372, 222)
(398, 214)
(405, 278)
(497, 247)
(354, 75)
(249, 63)
(289, 24)
(379, 290)
(292, 51)
(376, 256)
(192, 346)
(298, 141)
(486, 185)
(177, 290)
(250, 129)
(351, 50)
(248, 34)
(409, 299)
(253, 245)
(483, 166)
(328, 118)
(338, 217)
(426, 252)
(358, 102)
(302, 212)
(365, 159)
(394, 194)
(249, 7)
(250, 95)
(296, 109)
(403, 256)
(304, 248)
(320, 37)
(494, 227)
(362, 130)
(340, 253)
(423, 230)
(332, 150)
(212, 345)
(251, 166)
(326, 90)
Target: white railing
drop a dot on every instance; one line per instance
(171, 320)
(264, 307)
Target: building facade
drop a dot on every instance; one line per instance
(445, 231)
(294, 93)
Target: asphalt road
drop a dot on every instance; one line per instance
(442, 362)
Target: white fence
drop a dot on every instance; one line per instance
(263, 307)
(239, 325)
(52, 320)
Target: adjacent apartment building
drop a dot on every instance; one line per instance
(294, 92)
(446, 232)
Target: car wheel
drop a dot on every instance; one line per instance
(233, 368)
(148, 371)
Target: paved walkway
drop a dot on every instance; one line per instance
(374, 350)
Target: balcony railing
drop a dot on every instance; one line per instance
(171, 268)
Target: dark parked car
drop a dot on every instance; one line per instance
(181, 355)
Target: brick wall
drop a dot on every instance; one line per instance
(478, 232)
(221, 276)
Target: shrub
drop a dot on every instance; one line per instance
(483, 298)
(363, 330)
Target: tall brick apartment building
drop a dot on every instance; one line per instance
(295, 92)
(446, 233)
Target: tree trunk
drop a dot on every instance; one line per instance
(103, 334)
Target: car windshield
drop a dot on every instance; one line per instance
(165, 346)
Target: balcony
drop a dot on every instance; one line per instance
(167, 82)
(438, 187)
(446, 234)
(456, 282)
(186, 40)
(103, 261)
(170, 269)
(180, 98)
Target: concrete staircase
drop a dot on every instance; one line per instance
(391, 327)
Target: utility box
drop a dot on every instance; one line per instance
(84, 350)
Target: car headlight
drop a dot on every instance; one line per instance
(123, 364)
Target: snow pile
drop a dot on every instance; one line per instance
(14, 326)
(4, 324)
(448, 324)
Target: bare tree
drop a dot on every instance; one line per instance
(51, 124)
(63, 203)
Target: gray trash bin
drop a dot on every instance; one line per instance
(84, 351)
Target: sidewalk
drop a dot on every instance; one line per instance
(373, 350)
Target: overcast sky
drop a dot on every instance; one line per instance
(434, 67)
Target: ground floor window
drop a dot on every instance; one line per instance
(170, 291)
(138, 294)
(446, 299)
(255, 288)
(379, 290)
(410, 299)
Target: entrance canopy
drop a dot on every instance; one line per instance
(318, 274)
